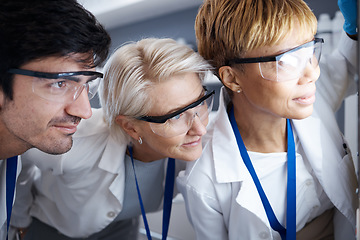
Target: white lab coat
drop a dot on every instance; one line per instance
(212, 186)
(82, 191)
(3, 215)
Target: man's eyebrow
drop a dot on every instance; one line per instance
(71, 78)
(76, 78)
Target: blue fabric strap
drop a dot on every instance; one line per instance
(168, 195)
(291, 188)
(11, 166)
(290, 232)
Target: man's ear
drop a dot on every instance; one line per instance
(128, 125)
(229, 78)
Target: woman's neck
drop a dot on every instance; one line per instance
(261, 132)
(142, 153)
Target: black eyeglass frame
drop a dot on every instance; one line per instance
(164, 118)
(46, 75)
(273, 58)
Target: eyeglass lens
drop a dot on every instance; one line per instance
(65, 90)
(291, 65)
(181, 123)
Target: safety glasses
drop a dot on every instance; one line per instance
(63, 87)
(288, 65)
(180, 122)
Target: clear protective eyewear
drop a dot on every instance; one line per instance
(179, 122)
(289, 65)
(62, 87)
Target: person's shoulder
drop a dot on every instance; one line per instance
(94, 125)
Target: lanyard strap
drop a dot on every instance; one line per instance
(290, 232)
(169, 190)
(168, 195)
(11, 166)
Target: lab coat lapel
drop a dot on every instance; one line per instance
(308, 130)
(113, 161)
(229, 166)
(323, 148)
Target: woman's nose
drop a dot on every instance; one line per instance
(310, 74)
(198, 126)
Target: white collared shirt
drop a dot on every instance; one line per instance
(3, 214)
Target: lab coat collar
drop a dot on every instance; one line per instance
(113, 158)
(113, 161)
(93, 125)
(229, 166)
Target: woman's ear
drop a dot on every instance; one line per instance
(128, 125)
(229, 78)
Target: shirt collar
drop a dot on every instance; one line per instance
(229, 166)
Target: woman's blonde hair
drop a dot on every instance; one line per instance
(226, 29)
(135, 68)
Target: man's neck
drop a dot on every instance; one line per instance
(10, 146)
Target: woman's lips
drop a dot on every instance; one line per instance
(193, 143)
(306, 99)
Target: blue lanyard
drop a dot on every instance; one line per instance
(11, 166)
(168, 195)
(290, 232)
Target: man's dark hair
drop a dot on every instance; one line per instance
(37, 29)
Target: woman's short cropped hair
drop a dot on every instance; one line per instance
(226, 29)
(135, 68)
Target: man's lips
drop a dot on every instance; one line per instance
(67, 125)
(66, 128)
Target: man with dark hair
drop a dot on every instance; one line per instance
(49, 50)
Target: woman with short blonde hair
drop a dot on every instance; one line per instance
(274, 165)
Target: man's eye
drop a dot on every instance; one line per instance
(59, 84)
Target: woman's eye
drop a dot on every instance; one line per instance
(177, 117)
(201, 104)
(288, 61)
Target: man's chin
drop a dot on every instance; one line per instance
(57, 148)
